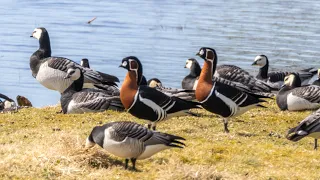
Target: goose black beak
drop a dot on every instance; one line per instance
(254, 63)
(198, 54)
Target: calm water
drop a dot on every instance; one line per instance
(162, 34)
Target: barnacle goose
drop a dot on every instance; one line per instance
(77, 100)
(309, 127)
(219, 98)
(148, 103)
(132, 141)
(50, 71)
(191, 80)
(294, 97)
(275, 78)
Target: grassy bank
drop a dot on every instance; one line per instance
(39, 143)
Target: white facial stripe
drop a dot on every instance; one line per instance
(207, 55)
(37, 33)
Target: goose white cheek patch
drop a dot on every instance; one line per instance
(37, 33)
(124, 64)
(188, 64)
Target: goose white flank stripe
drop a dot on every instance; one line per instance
(132, 141)
(148, 103)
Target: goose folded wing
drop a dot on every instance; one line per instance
(310, 93)
(237, 85)
(90, 76)
(132, 130)
(93, 100)
(277, 76)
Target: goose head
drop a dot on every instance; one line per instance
(292, 80)
(260, 60)
(133, 64)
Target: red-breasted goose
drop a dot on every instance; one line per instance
(294, 97)
(309, 127)
(132, 141)
(148, 103)
(50, 71)
(228, 74)
(275, 78)
(219, 98)
(76, 100)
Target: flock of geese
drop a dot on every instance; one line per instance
(225, 90)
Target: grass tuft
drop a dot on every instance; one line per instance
(43, 144)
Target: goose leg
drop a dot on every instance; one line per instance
(133, 160)
(315, 144)
(127, 162)
(225, 123)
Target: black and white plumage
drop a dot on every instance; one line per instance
(180, 93)
(132, 141)
(227, 74)
(7, 103)
(294, 97)
(77, 100)
(191, 80)
(309, 127)
(237, 74)
(275, 78)
(50, 71)
(219, 98)
(85, 63)
(148, 103)
(317, 81)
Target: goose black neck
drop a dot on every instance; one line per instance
(44, 44)
(77, 85)
(195, 70)
(263, 71)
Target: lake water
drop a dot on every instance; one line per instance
(162, 34)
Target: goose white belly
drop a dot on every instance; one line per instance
(296, 103)
(151, 150)
(74, 108)
(128, 148)
(52, 78)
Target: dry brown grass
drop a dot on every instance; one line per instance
(40, 144)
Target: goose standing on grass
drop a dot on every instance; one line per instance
(77, 100)
(220, 98)
(275, 79)
(317, 81)
(180, 93)
(132, 141)
(7, 103)
(294, 97)
(309, 127)
(50, 71)
(148, 103)
(227, 74)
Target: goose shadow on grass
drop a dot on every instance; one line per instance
(103, 160)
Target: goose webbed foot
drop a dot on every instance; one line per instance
(152, 126)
